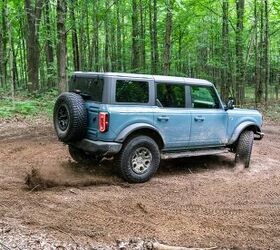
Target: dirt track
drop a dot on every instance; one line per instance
(200, 202)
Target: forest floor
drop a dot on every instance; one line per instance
(195, 202)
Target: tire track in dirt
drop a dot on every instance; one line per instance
(191, 202)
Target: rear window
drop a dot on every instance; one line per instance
(132, 91)
(91, 87)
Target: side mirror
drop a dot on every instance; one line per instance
(230, 104)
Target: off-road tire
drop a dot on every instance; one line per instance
(73, 106)
(82, 157)
(244, 148)
(124, 159)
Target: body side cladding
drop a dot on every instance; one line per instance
(241, 127)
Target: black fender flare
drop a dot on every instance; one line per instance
(134, 127)
(241, 127)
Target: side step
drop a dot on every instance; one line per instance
(189, 153)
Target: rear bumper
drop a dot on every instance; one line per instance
(100, 147)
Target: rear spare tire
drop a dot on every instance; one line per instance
(244, 148)
(70, 117)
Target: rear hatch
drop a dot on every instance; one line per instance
(90, 87)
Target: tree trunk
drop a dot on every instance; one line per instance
(153, 36)
(11, 62)
(124, 61)
(3, 45)
(119, 38)
(142, 37)
(113, 46)
(112, 39)
(61, 44)
(107, 41)
(239, 51)
(21, 58)
(266, 51)
(167, 39)
(23, 53)
(89, 56)
(75, 45)
(82, 37)
(135, 53)
(95, 37)
(226, 79)
(2, 81)
(258, 83)
(179, 59)
(15, 67)
(49, 47)
(33, 16)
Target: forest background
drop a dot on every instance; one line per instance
(233, 43)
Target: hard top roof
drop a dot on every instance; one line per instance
(157, 78)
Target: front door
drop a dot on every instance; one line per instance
(171, 117)
(208, 118)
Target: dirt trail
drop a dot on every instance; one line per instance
(199, 202)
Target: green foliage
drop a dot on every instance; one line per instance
(197, 43)
(26, 105)
(270, 112)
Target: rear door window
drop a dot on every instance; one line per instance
(131, 91)
(171, 95)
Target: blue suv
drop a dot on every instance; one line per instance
(141, 119)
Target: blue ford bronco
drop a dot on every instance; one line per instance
(141, 119)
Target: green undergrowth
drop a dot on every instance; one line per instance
(27, 105)
(271, 111)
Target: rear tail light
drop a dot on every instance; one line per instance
(103, 121)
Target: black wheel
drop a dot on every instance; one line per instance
(139, 159)
(244, 148)
(82, 157)
(70, 117)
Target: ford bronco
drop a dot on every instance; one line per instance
(141, 119)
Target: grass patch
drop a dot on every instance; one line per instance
(27, 105)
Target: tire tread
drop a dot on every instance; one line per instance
(244, 148)
(78, 116)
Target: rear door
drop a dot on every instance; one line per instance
(132, 102)
(171, 117)
(208, 118)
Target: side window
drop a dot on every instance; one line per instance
(171, 95)
(132, 91)
(90, 87)
(204, 97)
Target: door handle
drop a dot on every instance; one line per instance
(163, 118)
(199, 119)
